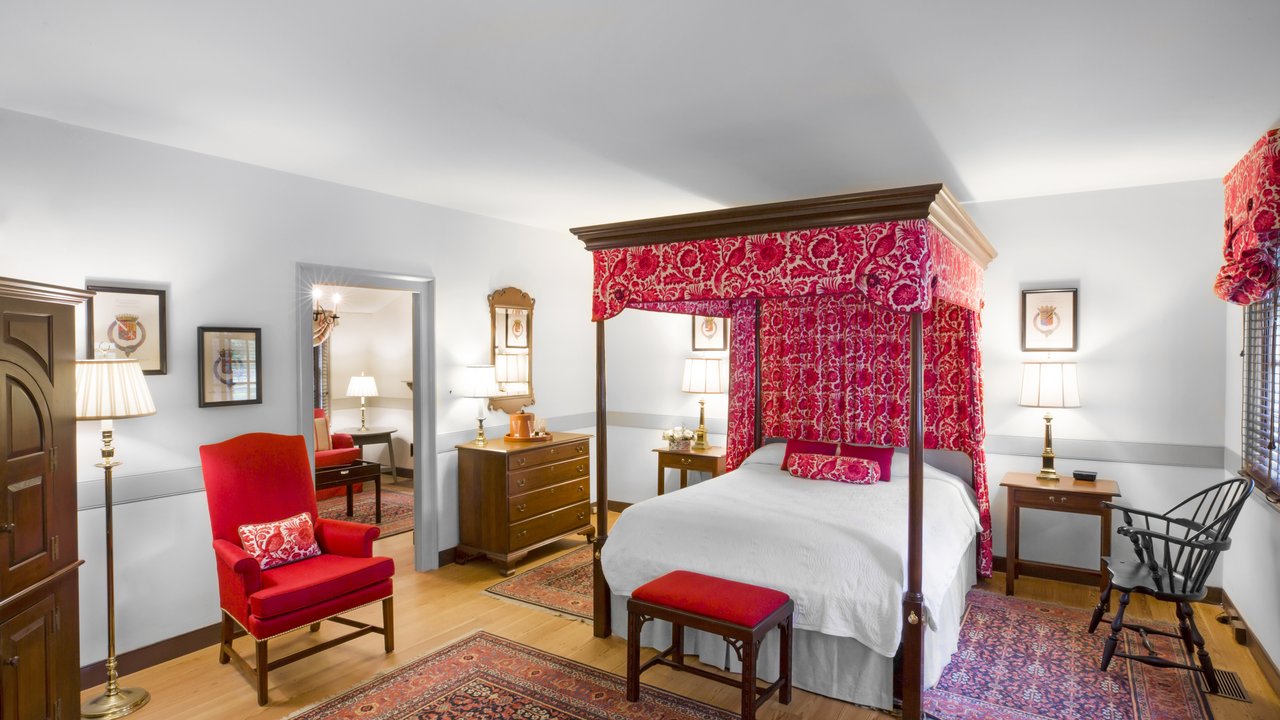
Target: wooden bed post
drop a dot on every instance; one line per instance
(600, 587)
(913, 618)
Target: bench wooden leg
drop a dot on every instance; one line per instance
(677, 643)
(749, 647)
(633, 656)
(784, 662)
(260, 648)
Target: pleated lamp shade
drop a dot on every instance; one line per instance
(111, 389)
(1050, 385)
(702, 375)
(479, 381)
(362, 386)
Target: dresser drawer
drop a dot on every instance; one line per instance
(550, 525)
(523, 507)
(1050, 500)
(542, 456)
(524, 481)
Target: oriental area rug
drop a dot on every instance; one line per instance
(1024, 660)
(563, 585)
(397, 510)
(485, 677)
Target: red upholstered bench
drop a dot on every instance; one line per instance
(742, 614)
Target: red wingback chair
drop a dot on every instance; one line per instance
(261, 477)
(333, 449)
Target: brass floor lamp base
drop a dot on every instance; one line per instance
(123, 702)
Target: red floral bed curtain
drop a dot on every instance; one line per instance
(833, 330)
(1252, 191)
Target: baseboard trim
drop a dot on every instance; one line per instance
(1060, 573)
(618, 505)
(404, 472)
(448, 556)
(1259, 653)
(95, 674)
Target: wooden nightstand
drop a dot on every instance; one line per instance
(710, 460)
(1065, 494)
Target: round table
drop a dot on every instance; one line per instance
(374, 436)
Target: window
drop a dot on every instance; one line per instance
(1260, 431)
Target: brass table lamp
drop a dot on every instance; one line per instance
(702, 376)
(480, 382)
(1049, 384)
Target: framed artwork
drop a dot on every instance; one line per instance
(517, 328)
(710, 333)
(128, 322)
(1050, 320)
(230, 365)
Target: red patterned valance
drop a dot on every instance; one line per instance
(897, 265)
(1252, 191)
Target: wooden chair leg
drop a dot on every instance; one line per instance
(228, 633)
(260, 647)
(1205, 662)
(784, 663)
(1116, 626)
(1184, 629)
(633, 656)
(388, 626)
(749, 647)
(1104, 602)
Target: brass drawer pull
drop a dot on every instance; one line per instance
(12, 662)
(1058, 500)
(582, 516)
(555, 450)
(521, 507)
(582, 468)
(581, 489)
(686, 461)
(345, 472)
(8, 527)
(521, 461)
(520, 482)
(581, 448)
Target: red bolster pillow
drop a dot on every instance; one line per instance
(883, 456)
(859, 471)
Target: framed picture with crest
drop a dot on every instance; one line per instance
(710, 333)
(1050, 320)
(128, 322)
(230, 365)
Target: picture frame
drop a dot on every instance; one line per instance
(709, 333)
(517, 335)
(230, 365)
(130, 322)
(1051, 320)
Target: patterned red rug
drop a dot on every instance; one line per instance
(1023, 660)
(563, 585)
(485, 677)
(397, 510)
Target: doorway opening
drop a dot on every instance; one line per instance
(366, 376)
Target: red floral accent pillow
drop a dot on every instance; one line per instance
(880, 455)
(859, 471)
(280, 542)
(815, 447)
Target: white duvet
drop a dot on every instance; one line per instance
(839, 550)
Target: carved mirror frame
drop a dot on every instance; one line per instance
(500, 303)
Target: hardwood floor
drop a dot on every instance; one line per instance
(434, 609)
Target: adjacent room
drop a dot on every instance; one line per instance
(686, 360)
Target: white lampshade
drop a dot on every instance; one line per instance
(111, 389)
(362, 386)
(512, 368)
(1050, 385)
(702, 375)
(479, 381)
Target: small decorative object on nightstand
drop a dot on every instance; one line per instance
(1049, 385)
(710, 460)
(1058, 495)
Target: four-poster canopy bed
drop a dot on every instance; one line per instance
(855, 320)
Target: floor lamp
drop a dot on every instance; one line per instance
(109, 390)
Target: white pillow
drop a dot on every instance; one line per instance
(770, 454)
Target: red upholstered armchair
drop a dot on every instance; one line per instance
(261, 477)
(333, 450)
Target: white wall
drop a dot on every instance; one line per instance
(225, 239)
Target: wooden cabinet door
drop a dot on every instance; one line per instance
(33, 377)
(28, 667)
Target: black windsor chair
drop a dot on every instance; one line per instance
(1175, 551)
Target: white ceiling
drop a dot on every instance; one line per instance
(566, 112)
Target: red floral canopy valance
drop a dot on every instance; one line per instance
(1252, 189)
(902, 266)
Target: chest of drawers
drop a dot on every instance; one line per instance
(514, 497)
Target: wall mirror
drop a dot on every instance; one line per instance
(511, 348)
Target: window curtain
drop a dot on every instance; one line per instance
(1252, 225)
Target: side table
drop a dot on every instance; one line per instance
(1065, 494)
(710, 460)
(374, 436)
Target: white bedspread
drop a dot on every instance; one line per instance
(839, 550)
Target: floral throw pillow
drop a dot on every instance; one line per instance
(860, 471)
(280, 542)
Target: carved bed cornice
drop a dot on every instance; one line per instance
(932, 202)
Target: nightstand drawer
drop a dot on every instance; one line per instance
(698, 463)
(550, 525)
(542, 456)
(1050, 500)
(523, 507)
(524, 481)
